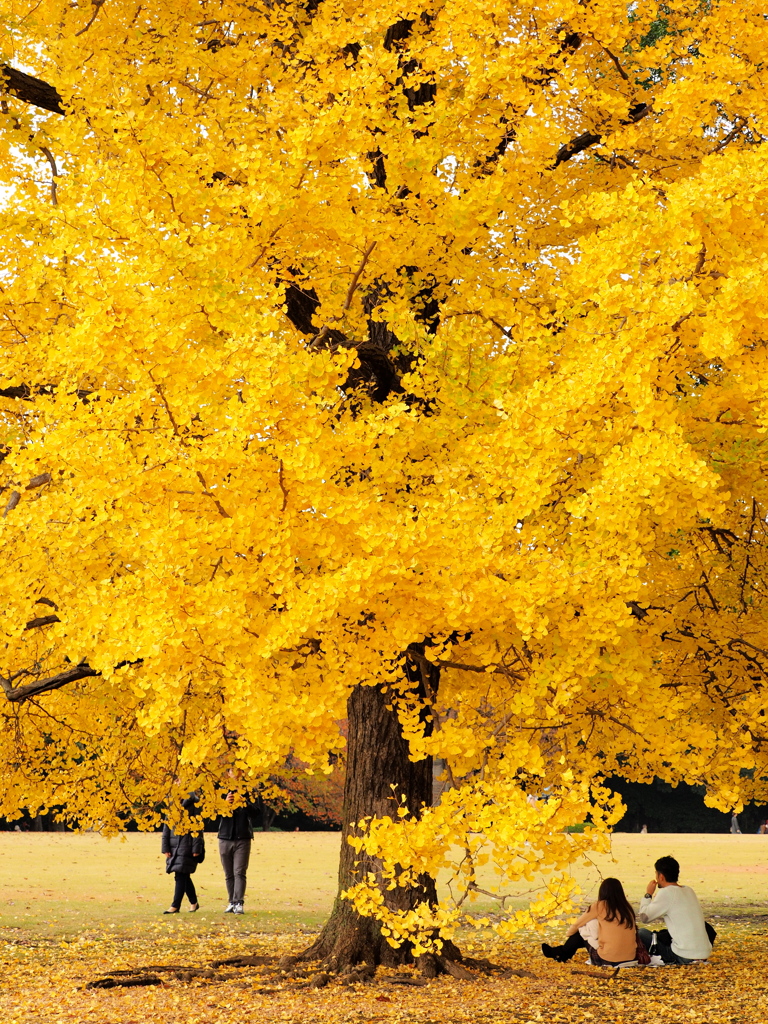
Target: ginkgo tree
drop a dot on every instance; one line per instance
(402, 364)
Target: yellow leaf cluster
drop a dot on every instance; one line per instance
(544, 225)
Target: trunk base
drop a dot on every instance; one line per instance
(348, 939)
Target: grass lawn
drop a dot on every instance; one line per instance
(63, 884)
(57, 884)
(77, 907)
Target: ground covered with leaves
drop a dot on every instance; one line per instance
(53, 981)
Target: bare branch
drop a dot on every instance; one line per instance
(13, 501)
(493, 670)
(221, 510)
(575, 146)
(15, 498)
(700, 261)
(38, 481)
(616, 64)
(97, 5)
(18, 391)
(281, 481)
(54, 174)
(355, 280)
(473, 887)
(324, 330)
(582, 142)
(488, 319)
(739, 125)
(623, 725)
(71, 675)
(42, 620)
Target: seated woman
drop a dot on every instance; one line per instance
(613, 941)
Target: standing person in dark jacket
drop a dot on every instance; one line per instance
(235, 836)
(182, 855)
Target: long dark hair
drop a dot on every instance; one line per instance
(617, 906)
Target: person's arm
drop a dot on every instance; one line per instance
(653, 905)
(166, 841)
(197, 845)
(588, 915)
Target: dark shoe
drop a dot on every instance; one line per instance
(194, 907)
(551, 953)
(173, 910)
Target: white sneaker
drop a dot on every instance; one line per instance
(230, 908)
(656, 961)
(238, 909)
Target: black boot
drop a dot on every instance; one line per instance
(563, 953)
(552, 952)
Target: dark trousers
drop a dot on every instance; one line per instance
(571, 945)
(235, 854)
(663, 947)
(184, 886)
(576, 942)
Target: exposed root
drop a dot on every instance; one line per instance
(455, 969)
(157, 974)
(347, 964)
(485, 966)
(152, 976)
(151, 967)
(246, 961)
(510, 972)
(361, 975)
(125, 982)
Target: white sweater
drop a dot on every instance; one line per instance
(679, 907)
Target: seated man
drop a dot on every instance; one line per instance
(687, 937)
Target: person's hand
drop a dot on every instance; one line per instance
(230, 798)
(168, 854)
(651, 887)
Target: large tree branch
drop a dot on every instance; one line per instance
(71, 675)
(16, 694)
(30, 90)
(18, 391)
(582, 142)
(42, 620)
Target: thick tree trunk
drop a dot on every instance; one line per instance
(377, 760)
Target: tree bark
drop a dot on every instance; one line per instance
(379, 776)
(70, 675)
(30, 90)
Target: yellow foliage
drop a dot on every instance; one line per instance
(325, 332)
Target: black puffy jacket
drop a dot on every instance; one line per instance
(185, 851)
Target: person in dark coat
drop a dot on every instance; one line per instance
(182, 855)
(235, 838)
